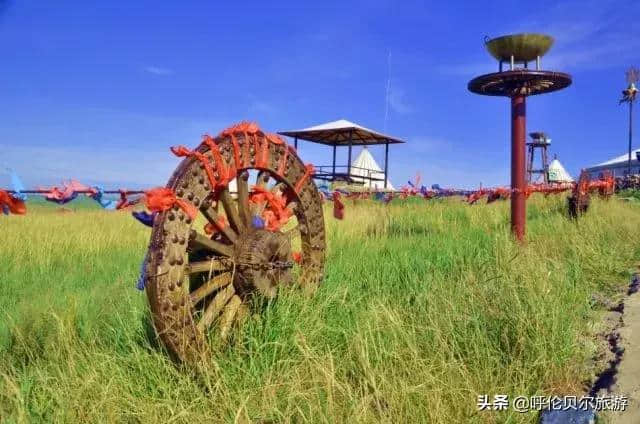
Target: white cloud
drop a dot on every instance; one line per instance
(101, 146)
(114, 168)
(398, 101)
(158, 71)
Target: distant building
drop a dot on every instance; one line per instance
(617, 165)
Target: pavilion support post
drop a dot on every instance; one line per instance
(349, 159)
(386, 163)
(630, 136)
(334, 162)
(518, 181)
(295, 142)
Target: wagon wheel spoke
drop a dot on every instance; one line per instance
(215, 307)
(243, 198)
(278, 188)
(231, 209)
(292, 205)
(283, 248)
(206, 266)
(212, 216)
(262, 179)
(243, 313)
(198, 241)
(295, 241)
(228, 315)
(209, 287)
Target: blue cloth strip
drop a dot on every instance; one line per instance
(144, 217)
(257, 222)
(18, 187)
(142, 280)
(99, 197)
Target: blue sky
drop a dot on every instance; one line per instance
(100, 92)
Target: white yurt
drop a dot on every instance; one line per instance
(366, 166)
(557, 173)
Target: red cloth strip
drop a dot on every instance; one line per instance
(182, 151)
(237, 157)
(276, 213)
(219, 225)
(338, 206)
(297, 257)
(262, 153)
(307, 174)
(251, 132)
(162, 199)
(274, 138)
(225, 173)
(124, 201)
(15, 206)
(283, 161)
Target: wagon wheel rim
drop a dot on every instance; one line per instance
(201, 285)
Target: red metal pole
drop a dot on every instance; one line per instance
(518, 182)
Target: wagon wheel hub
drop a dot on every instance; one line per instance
(263, 261)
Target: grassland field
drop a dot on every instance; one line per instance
(425, 305)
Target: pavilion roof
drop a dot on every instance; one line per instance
(338, 133)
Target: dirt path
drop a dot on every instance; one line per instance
(627, 378)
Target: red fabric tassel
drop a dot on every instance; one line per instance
(182, 151)
(283, 161)
(226, 173)
(123, 202)
(161, 199)
(297, 257)
(219, 225)
(15, 206)
(338, 206)
(276, 213)
(308, 170)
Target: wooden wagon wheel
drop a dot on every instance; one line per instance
(578, 202)
(203, 271)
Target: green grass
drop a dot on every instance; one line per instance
(630, 194)
(424, 306)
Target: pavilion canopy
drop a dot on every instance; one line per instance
(338, 133)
